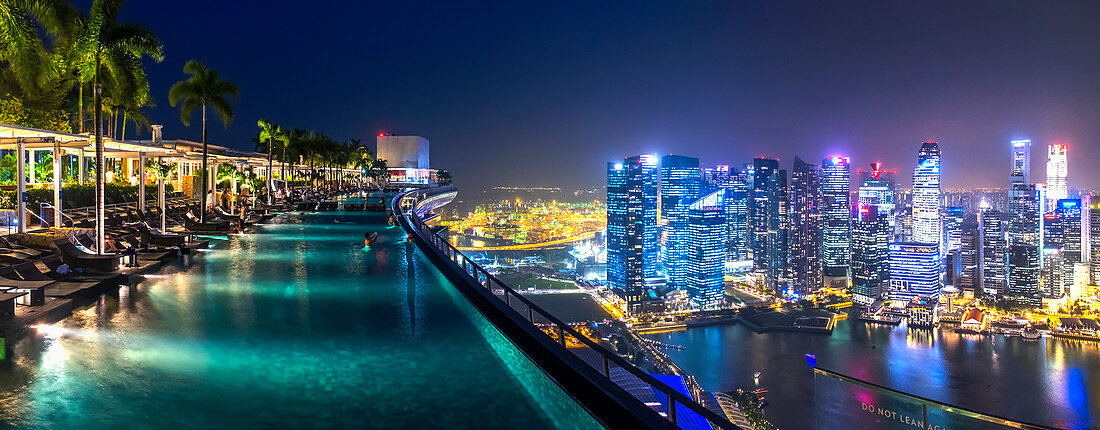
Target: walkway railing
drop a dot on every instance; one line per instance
(522, 310)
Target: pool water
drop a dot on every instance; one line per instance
(296, 325)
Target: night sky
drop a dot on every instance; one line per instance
(545, 93)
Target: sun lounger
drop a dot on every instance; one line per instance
(78, 259)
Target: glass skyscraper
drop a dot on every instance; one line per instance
(632, 240)
(870, 255)
(706, 250)
(805, 236)
(926, 195)
(737, 214)
(836, 217)
(1070, 229)
(680, 184)
(1023, 274)
(878, 189)
(914, 271)
(952, 227)
(768, 221)
(1057, 173)
(994, 251)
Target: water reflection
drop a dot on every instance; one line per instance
(1042, 381)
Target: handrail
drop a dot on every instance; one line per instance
(477, 273)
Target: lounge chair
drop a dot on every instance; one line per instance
(163, 239)
(78, 259)
(191, 222)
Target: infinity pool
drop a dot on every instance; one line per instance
(296, 325)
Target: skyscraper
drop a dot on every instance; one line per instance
(1023, 273)
(1094, 242)
(970, 276)
(926, 195)
(680, 184)
(706, 249)
(777, 249)
(914, 271)
(1057, 172)
(870, 255)
(878, 188)
(1068, 213)
(1024, 212)
(836, 220)
(805, 236)
(952, 227)
(737, 213)
(765, 218)
(994, 252)
(632, 240)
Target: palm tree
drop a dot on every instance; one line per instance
(203, 88)
(107, 47)
(271, 132)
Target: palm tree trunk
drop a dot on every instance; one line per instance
(80, 107)
(100, 195)
(122, 136)
(205, 173)
(270, 150)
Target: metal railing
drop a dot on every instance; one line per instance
(516, 302)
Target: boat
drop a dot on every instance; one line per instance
(1031, 333)
(880, 319)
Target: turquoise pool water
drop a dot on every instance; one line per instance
(295, 326)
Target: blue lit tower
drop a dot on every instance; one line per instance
(680, 182)
(870, 255)
(805, 235)
(836, 217)
(914, 270)
(737, 213)
(632, 244)
(926, 195)
(706, 249)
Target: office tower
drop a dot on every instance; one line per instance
(1050, 274)
(926, 195)
(879, 189)
(632, 239)
(737, 214)
(1068, 213)
(1094, 243)
(805, 236)
(714, 178)
(952, 227)
(762, 170)
(903, 227)
(952, 267)
(1023, 274)
(1057, 172)
(836, 219)
(706, 250)
(993, 252)
(777, 250)
(680, 185)
(970, 258)
(1023, 198)
(914, 271)
(870, 255)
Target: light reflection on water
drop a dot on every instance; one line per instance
(301, 327)
(1039, 381)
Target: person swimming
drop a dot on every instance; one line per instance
(369, 238)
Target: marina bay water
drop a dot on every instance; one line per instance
(295, 325)
(1047, 381)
